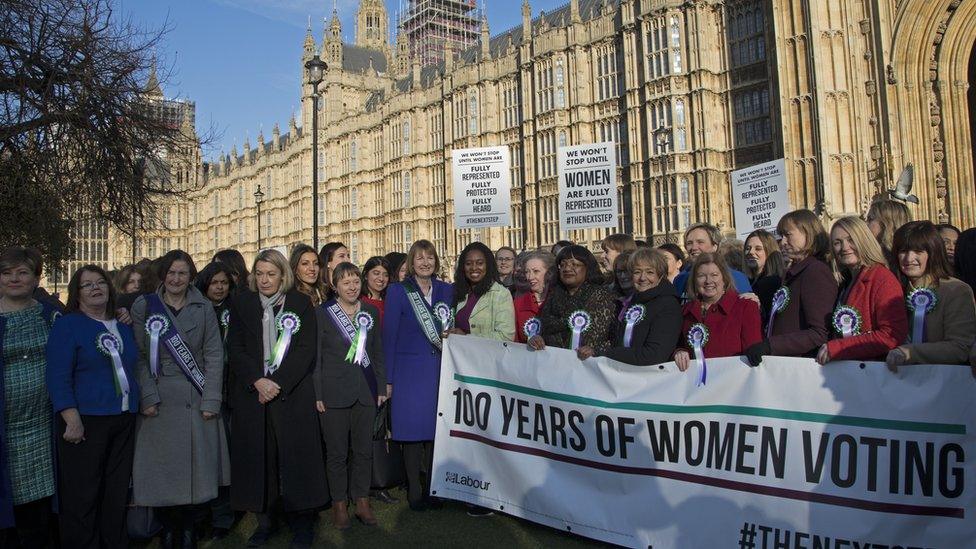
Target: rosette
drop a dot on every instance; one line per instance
(444, 315)
(698, 338)
(288, 325)
(780, 300)
(579, 322)
(921, 301)
(156, 325)
(111, 346)
(357, 350)
(847, 321)
(633, 315)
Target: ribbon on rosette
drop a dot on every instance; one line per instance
(111, 346)
(444, 315)
(225, 320)
(357, 350)
(780, 300)
(847, 321)
(921, 301)
(633, 315)
(698, 338)
(288, 325)
(531, 328)
(155, 326)
(579, 322)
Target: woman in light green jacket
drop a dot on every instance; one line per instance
(482, 306)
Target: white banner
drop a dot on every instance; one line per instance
(760, 197)
(587, 186)
(789, 454)
(482, 187)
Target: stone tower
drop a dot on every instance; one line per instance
(372, 25)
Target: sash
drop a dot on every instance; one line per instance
(423, 313)
(170, 338)
(348, 332)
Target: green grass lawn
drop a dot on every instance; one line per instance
(398, 526)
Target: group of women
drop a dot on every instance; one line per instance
(183, 381)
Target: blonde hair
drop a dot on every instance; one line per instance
(868, 249)
(649, 256)
(891, 215)
(415, 250)
(275, 258)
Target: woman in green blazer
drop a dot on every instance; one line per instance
(482, 306)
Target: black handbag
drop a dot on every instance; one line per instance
(142, 523)
(387, 455)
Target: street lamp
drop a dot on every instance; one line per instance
(258, 199)
(315, 68)
(662, 137)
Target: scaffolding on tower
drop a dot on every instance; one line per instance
(434, 26)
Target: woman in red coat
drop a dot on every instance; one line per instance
(724, 323)
(528, 304)
(869, 316)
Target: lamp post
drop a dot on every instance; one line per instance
(315, 68)
(662, 137)
(258, 199)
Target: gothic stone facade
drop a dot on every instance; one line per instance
(848, 91)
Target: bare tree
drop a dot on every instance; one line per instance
(84, 129)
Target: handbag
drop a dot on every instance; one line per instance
(387, 455)
(142, 523)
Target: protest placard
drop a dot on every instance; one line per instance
(760, 197)
(587, 186)
(482, 187)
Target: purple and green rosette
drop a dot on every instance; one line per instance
(288, 325)
(444, 315)
(357, 350)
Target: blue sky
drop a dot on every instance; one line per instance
(240, 60)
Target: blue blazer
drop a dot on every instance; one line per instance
(50, 312)
(80, 376)
(413, 364)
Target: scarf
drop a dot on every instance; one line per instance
(269, 330)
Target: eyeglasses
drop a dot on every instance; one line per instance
(89, 286)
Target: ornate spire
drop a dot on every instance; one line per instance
(574, 13)
(485, 38)
(152, 83)
(309, 49)
(526, 20)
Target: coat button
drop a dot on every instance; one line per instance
(188, 406)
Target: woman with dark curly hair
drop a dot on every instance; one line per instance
(482, 306)
(579, 309)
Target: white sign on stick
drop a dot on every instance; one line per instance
(760, 197)
(587, 186)
(482, 187)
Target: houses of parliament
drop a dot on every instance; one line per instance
(849, 92)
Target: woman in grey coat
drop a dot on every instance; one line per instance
(181, 450)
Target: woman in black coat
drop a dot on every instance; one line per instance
(276, 451)
(350, 388)
(649, 324)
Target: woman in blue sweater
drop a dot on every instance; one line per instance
(91, 380)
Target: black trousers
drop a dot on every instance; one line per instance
(301, 521)
(33, 526)
(342, 426)
(94, 482)
(418, 460)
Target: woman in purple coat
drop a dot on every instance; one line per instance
(412, 331)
